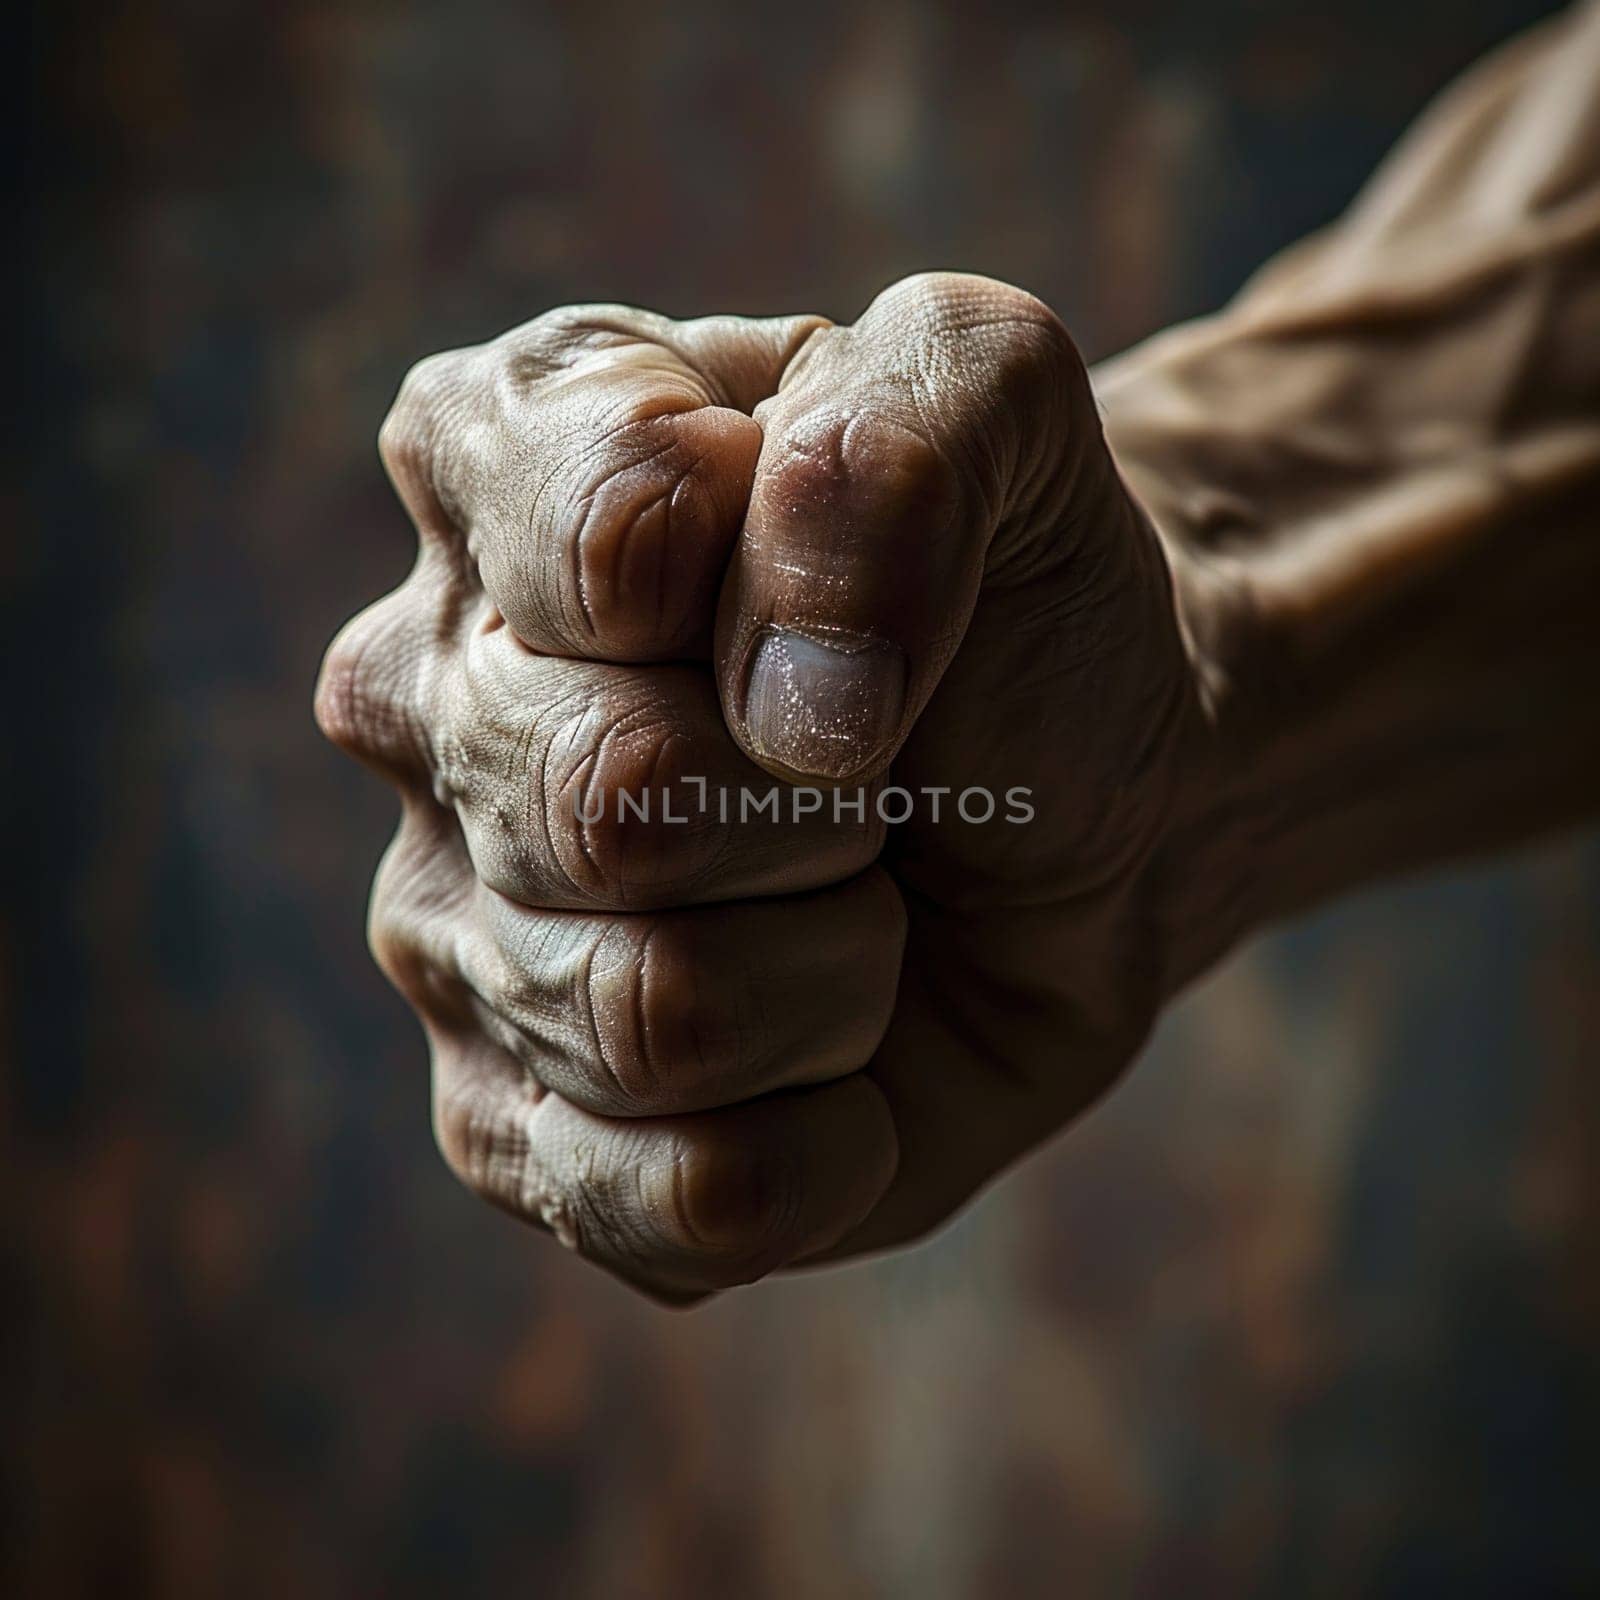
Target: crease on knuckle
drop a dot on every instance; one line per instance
(609, 852)
(612, 1003)
(727, 1208)
(624, 560)
(616, 524)
(650, 1026)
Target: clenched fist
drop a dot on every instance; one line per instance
(690, 595)
(818, 768)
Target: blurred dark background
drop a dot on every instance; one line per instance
(1310, 1307)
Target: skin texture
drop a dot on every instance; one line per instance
(1289, 599)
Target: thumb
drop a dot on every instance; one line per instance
(899, 454)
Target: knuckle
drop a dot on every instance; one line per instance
(668, 1009)
(361, 702)
(930, 305)
(627, 519)
(909, 474)
(726, 1206)
(620, 836)
(992, 299)
(661, 1036)
(884, 461)
(351, 699)
(608, 341)
(340, 702)
(954, 301)
(413, 929)
(927, 296)
(558, 337)
(997, 367)
(1034, 345)
(1016, 330)
(406, 435)
(631, 501)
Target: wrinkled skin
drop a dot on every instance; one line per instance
(903, 551)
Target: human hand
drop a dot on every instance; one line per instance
(895, 552)
(682, 556)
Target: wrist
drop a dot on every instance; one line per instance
(1392, 686)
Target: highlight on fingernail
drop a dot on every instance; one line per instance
(823, 704)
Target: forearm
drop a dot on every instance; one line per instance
(1377, 475)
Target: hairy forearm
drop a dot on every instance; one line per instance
(1377, 476)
